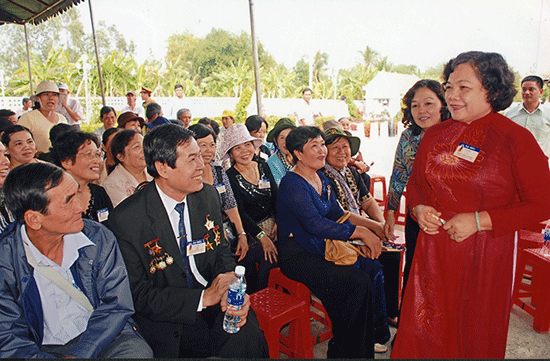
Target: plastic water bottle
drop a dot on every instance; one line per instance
(235, 299)
(545, 247)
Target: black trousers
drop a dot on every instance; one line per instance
(346, 293)
(206, 338)
(412, 229)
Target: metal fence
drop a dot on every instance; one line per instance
(199, 106)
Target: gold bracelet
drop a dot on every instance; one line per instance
(391, 210)
(260, 235)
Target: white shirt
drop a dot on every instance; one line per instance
(64, 318)
(174, 217)
(305, 111)
(75, 107)
(138, 110)
(175, 105)
(537, 122)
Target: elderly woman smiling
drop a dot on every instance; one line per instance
(77, 153)
(256, 193)
(129, 171)
(477, 178)
(307, 214)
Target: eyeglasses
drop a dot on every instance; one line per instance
(91, 155)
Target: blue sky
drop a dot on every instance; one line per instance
(421, 32)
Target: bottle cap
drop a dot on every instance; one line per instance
(239, 270)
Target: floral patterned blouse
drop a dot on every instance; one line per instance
(402, 166)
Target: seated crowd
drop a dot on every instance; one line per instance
(122, 243)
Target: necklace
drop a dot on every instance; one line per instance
(249, 172)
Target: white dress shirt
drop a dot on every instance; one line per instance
(174, 217)
(64, 318)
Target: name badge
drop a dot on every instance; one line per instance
(197, 246)
(467, 152)
(220, 188)
(264, 184)
(102, 214)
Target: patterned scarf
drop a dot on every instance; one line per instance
(286, 165)
(331, 172)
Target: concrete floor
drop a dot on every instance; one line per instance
(523, 341)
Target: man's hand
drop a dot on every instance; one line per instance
(242, 313)
(218, 289)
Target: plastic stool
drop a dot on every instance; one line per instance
(379, 178)
(539, 290)
(275, 309)
(278, 280)
(401, 215)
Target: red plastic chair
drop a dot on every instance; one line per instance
(538, 290)
(375, 178)
(275, 309)
(279, 281)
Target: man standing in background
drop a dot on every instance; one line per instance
(531, 114)
(70, 108)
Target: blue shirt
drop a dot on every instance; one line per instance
(308, 216)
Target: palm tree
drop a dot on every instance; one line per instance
(54, 68)
(369, 56)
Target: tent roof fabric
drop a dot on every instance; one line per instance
(389, 85)
(32, 11)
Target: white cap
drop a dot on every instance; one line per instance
(239, 270)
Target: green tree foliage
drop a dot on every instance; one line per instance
(434, 73)
(369, 56)
(214, 53)
(301, 80)
(406, 69)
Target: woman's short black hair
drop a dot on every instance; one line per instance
(207, 121)
(59, 129)
(161, 144)
(298, 137)
(493, 73)
(120, 141)
(6, 136)
(107, 134)
(202, 131)
(66, 146)
(254, 122)
(437, 88)
(25, 188)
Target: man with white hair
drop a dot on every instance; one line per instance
(70, 108)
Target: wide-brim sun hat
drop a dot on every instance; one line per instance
(354, 142)
(47, 86)
(127, 117)
(282, 124)
(235, 135)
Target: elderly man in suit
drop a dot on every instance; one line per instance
(64, 289)
(178, 260)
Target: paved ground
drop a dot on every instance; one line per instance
(523, 341)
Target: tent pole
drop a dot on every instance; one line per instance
(97, 54)
(256, 65)
(28, 58)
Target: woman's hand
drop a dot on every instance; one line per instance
(461, 226)
(428, 218)
(389, 226)
(273, 234)
(270, 251)
(242, 247)
(373, 246)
